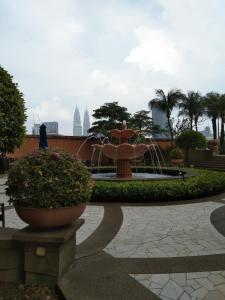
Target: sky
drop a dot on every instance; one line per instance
(64, 53)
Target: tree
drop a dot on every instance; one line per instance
(12, 114)
(108, 116)
(191, 106)
(167, 103)
(142, 122)
(211, 102)
(221, 107)
(190, 139)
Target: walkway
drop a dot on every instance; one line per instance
(159, 251)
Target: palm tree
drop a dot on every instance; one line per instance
(212, 109)
(190, 107)
(222, 116)
(198, 109)
(166, 103)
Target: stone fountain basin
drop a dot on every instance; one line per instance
(123, 151)
(121, 134)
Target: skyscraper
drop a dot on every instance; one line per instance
(51, 128)
(86, 123)
(77, 128)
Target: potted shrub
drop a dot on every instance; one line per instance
(213, 145)
(49, 188)
(176, 156)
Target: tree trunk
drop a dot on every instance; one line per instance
(196, 124)
(214, 128)
(191, 121)
(171, 132)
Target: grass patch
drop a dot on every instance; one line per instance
(205, 183)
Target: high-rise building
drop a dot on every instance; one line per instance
(159, 118)
(77, 128)
(52, 128)
(207, 132)
(35, 129)
(86, 123)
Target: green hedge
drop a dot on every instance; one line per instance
(205, 183)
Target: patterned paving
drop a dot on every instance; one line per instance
(185, 286)
(167, 231)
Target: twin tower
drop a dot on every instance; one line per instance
(77, 128)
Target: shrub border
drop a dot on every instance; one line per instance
(205, 183)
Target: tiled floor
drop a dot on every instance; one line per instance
(185, 286)
(167, 231)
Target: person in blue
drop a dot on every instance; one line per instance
(43, 143)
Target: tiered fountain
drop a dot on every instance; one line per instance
(123, 153)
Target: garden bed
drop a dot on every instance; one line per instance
(205, 183)
(13, 291)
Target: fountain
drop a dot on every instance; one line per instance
(123, 153)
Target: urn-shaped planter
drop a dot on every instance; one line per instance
(50, 217)
(176, 161)
(176, 157)
(49, 188)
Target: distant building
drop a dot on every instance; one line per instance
(159, 118)
(86, 123)
(35, 129)
(207, 132)
(51, 128)
(77, 128)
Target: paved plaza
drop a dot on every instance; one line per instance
(151, 251)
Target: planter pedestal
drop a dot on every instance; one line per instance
(11, 257)
(47, 253)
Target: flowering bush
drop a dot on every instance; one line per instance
(48, 178)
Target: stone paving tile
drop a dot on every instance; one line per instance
(179, 286)
(12, 220)
(93, 216)
(168, 231)
(3, 198)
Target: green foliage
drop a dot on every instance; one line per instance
(12, 114)
(206, 183)
(48, 178)
(176, 153)
(191, 139)
(108, 116)
(192, 106)
(167, 103)
(142, 122)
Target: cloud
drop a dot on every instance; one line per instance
(50, 111)
(155, 51)
(107, 82)
(91, 52)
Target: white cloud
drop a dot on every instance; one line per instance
(91, 52)
(155, 51)
(107, 82)
(50, 111)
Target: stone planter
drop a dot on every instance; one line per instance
(50, 217)
(214, 147)
(176, 161)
